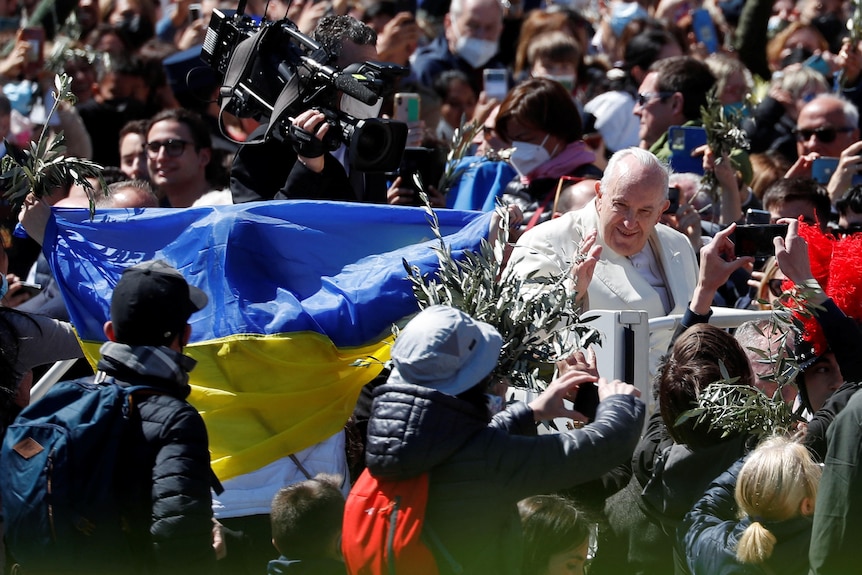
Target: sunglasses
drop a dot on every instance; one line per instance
(775, 286)
(647, 97)
(173, 148)
(825, 135)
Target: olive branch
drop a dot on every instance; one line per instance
(537, 317)
(739, 408)
(45, 166)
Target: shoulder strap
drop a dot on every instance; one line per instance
(130, 407)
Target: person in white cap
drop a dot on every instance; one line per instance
(437, 413)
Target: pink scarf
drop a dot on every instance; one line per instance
(570, 159)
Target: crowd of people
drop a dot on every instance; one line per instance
(574, 116)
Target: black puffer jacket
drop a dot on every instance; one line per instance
(168, 472)
(478, 471)
(711, 531)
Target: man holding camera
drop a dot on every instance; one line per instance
(310, 170)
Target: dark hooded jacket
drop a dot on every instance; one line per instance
(479, 471)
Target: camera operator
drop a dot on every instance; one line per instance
(309, 171)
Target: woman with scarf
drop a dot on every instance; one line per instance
(540, 122)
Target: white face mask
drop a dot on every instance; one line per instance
(527, 157)
(567, 80)
(475, 51)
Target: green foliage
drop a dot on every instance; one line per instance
(46, 165)
(537, 317)
(737, 408)
(462, 140)
(854, 24)
(723, 136)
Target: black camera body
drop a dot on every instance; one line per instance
(272, 72)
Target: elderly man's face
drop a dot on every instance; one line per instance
(630, 206)
(823, 128)
(482, 19)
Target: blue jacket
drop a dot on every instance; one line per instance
(710, 533)
(435, 58)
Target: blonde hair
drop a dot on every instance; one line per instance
(772, 483)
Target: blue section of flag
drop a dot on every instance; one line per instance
(268, 267)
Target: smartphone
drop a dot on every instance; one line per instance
(822, 169)
(30, 288)
(496, 83)
(194, 12)
(673, 198)
(756, 239)
(587, 400)
(407, 107)
(753, 216)
(704, 29)
(35, 55)
(428, 163)
(683, 140)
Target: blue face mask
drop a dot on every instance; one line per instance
(494, 403)
(4, 287)
(738, 108)
(819, 64)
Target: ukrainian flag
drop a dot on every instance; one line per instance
(298, 291)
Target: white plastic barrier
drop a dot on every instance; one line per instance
(624, 351)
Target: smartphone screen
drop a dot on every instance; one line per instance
(35, 59)
(496, 83)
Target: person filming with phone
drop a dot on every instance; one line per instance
(827, 135)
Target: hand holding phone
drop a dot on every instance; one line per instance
(756, 239)
(407, 110)
(704, 29)
(35, 60)
(683, 141)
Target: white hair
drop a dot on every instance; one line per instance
(644, 157)
(457, 7)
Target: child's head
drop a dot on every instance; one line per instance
(306, 518)
(693, 363)
(556, 536)
(557, 56)
(777, 482)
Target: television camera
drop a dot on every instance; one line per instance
(271, 71)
